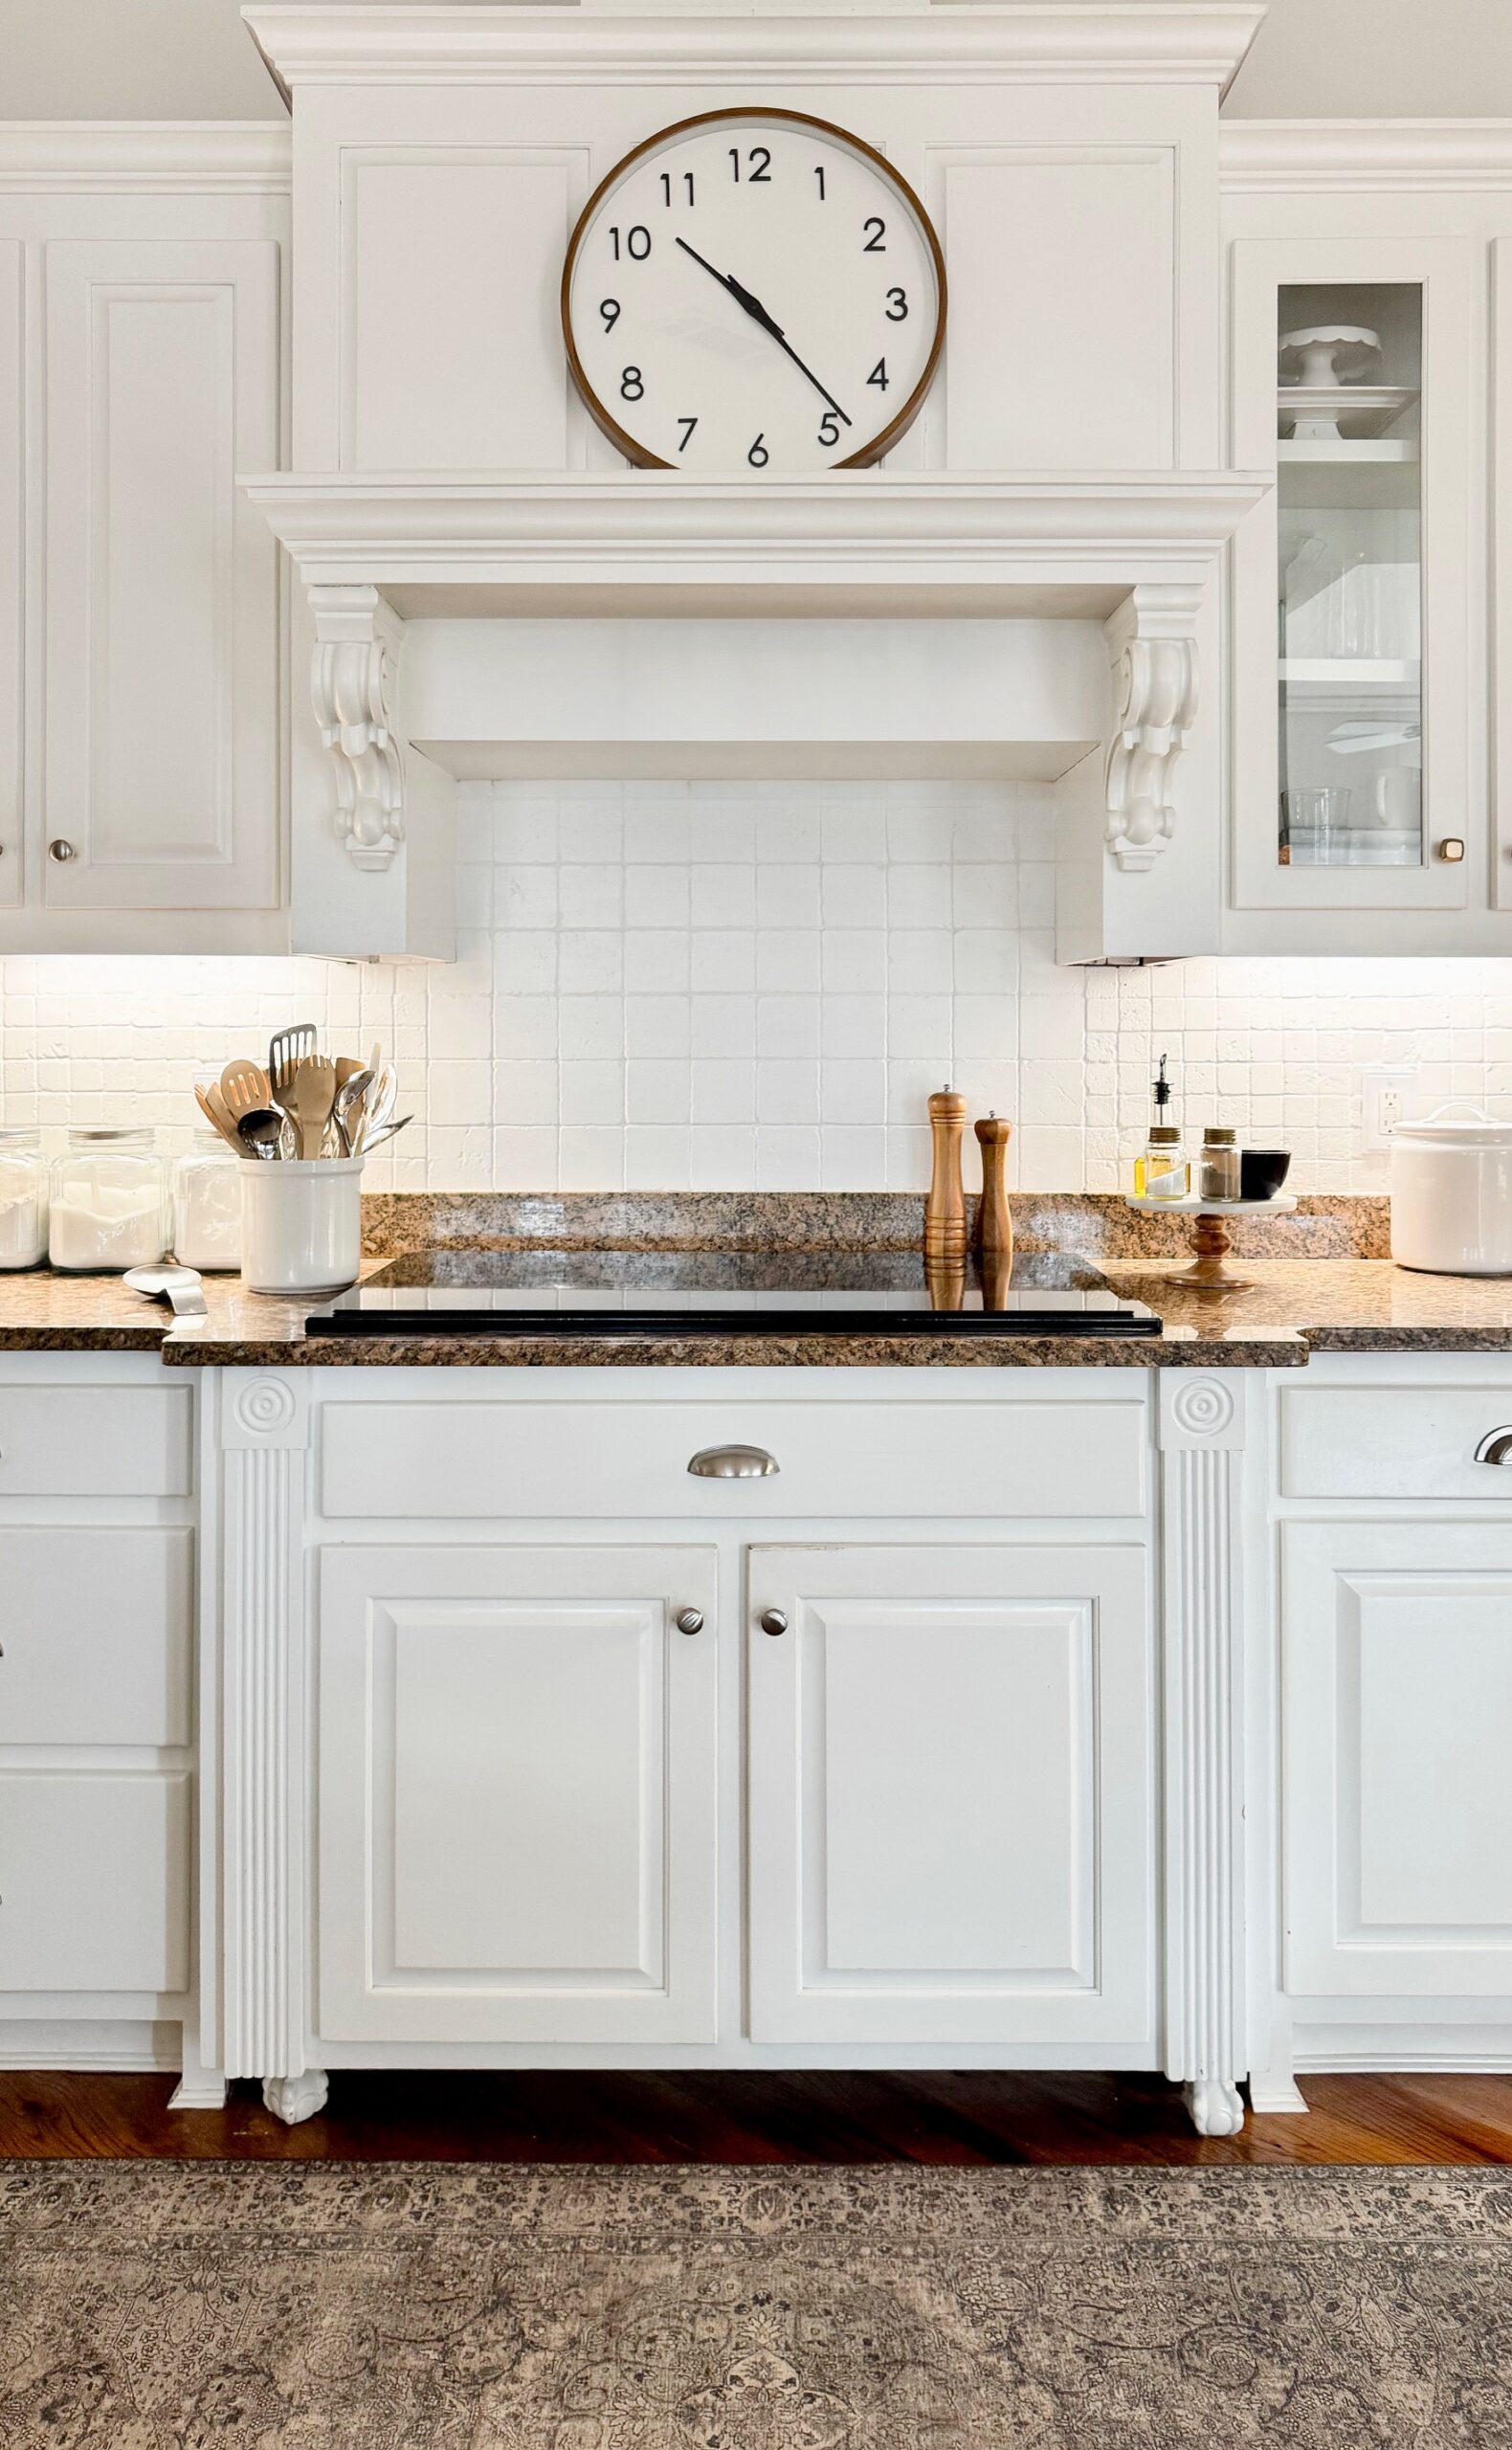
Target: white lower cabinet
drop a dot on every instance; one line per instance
(516, 1795)
(98, 1591)
(1396, 1681)
(949, 1800)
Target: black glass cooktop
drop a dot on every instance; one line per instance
(692, 1293)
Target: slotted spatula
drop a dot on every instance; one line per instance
(287, 1050)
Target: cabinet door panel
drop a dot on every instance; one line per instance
(98, 1632)
(1397, 1720)
(949, 1800)
(1351, 758)
(12, 573)
(161, 582)
(517, 1783)
(97, 1869)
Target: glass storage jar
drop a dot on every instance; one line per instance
(23, 1200)
(207, 1205)
(109, 1205)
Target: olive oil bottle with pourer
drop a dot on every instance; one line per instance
(1160, 1171)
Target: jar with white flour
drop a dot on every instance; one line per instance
(109, 1206)
(207, 1205)
(23, 1200)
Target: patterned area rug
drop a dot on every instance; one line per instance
(341, 2307)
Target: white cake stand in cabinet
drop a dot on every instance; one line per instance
(1211, 1241)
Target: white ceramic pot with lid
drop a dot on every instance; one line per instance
(1452, 1194)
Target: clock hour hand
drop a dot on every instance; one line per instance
(758, 314)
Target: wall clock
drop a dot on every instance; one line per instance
(753, 291)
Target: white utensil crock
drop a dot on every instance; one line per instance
(302, 1224)
(1452, 1194)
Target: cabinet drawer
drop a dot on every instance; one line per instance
(95, 1441)
(96, 1891)
(1392, 1441)
(486, 1460)
(95, 1634)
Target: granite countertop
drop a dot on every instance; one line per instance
(1291, 1307)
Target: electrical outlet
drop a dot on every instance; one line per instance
(1386, 1090)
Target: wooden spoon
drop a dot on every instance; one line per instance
(308, 1100)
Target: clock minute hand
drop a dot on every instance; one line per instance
(758, 314)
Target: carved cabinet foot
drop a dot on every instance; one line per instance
(296, 2097)
(1214, 2105)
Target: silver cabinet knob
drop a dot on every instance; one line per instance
(733, 1463)
(773, 1621)
(690, 1620)
(1451, 848)
(60, 850)
(1496, 1447)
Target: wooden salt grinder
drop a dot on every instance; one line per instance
(945, 1208)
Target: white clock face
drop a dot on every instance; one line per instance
(753, 292)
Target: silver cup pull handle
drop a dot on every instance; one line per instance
(733, 1463)
(1496, 1447)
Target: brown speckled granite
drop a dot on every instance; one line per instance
(1097, 1223)
(1293, 1305)
(1337, 1305)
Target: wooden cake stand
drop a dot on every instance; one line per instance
(1211, 1241)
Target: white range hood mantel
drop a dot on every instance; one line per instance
(1135, 552)
(1182, 42)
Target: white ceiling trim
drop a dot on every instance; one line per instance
(1364, 154)
(167, 155)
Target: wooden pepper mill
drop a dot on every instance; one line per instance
(945, 1208)
(994, 1224)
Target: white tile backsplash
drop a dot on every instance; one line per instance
(715, 987)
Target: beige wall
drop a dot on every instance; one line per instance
(1315, 59)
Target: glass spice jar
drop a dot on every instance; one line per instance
(1218, 1168)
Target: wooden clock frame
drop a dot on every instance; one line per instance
(637, 452)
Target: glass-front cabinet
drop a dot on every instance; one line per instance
(1352, 708)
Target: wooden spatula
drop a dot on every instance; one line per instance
(244, 1087)
(213, 1106)
(309, 1099)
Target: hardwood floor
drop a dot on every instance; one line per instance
(948, 2120)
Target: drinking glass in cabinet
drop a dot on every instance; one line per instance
(1348, 495)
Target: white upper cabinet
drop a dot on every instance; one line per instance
(1365, 371)
(143, 786)
(13, 575)
(161, 785)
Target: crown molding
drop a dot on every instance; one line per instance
(1364, 154)
(654, 530)
(242, 156)
(366, 42)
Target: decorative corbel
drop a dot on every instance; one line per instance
(352, 675)
(1153, 652)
